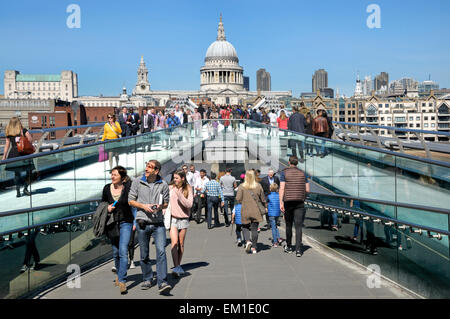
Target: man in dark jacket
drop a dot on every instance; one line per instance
(297, 123)
(147, 126)
(201, 110)
(124, 123)
(265, 183)
(135, 122)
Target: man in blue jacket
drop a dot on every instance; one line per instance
(172, 121)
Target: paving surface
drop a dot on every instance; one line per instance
(216, 268)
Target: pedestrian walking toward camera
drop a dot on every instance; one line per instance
(214, 199)
(251, 195)
(294, 187)
(119, 232)
(181, 199)
(112, 131)
(150, 194)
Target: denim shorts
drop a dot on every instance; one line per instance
(180, 223)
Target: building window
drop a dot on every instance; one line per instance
(411, 125)
(386, 105)
(417, 118)
(417, 125)
(44, 120)
(411, 118)
(432, 118)
(425, 125)
(380, 105)
(95, 118)
(433, 125)
(389, 118)
(426, 118)
(430, 104)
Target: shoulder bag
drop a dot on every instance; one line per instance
(24, 147)
(168, 217)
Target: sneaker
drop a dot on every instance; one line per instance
(23, 269)
(334, 228)
(274, 245)
(259, 229)
(114, 269)
(146, 285)
(298, 253)
(164, 288)
(374, 251)
(254, 251)
(132, 265)
(175, 272)
(238, 243)
(181, 270)
(248, 247)
(288, 249)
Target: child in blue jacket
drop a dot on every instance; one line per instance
(236, 219)
(273, 209)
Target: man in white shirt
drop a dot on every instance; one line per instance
(273, 121)
(199, 194)
(179, 113)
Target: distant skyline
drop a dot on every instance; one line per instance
(296, 39)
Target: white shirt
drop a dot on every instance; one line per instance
(201, 183)
(192, 177)
(145, 121)
(273, 117)
(179, 114)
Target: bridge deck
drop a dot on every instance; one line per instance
(216, 268)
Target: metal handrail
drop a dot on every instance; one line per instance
(408, 156)
(392, 128)
(392, 220)
(411, 157)
(387, 219)
(389, 203)
(60, 128)
(31, 156)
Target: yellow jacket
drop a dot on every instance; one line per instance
(109, 132)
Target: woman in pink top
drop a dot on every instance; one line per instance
(181, 199)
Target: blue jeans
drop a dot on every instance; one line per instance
(228, 201)
(275, 232)
(120, 250)
(158, 231)
(213, 201)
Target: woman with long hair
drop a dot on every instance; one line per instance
(116, 195)
(251, 195)
(112, 131)
(181, 200)
(14, 130)
(283, 121)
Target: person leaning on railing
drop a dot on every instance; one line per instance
(14, 130)
(112, 131)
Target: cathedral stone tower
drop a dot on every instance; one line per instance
(142, 85)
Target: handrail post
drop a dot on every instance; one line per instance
(84, 135)
(61, 144)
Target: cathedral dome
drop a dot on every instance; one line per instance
(221, 49)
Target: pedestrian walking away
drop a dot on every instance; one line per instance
(251, 195)
(294, 187)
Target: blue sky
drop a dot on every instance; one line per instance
(290, 39)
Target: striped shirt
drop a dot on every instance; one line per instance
(212, 188)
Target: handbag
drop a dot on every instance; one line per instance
(102, 154)
(167, 217)
(24, 146)
(261, 207)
